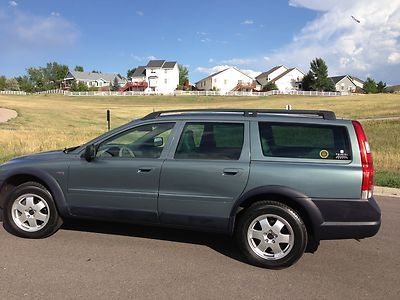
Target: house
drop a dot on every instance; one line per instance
(158, 76)
(358, 82)
(226, 80)
(285, 79)
(344, 83)
(101, 81)
(265, 77)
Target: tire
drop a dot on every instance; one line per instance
(30, 212)
(271, 235)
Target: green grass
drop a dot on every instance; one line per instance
(48, 122)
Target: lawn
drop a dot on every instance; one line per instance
(53, 121)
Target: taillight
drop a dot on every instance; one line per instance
(366, 161)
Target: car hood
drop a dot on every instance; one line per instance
(48, 155)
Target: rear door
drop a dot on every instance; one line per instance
(206, 171)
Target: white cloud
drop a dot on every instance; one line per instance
(205, 40)
(348, 47)
(55, 14)
(211, 60)
(179, 39)
(248, 22)
(151, 57)
(13, 3)
(211, 70)
(201, 33)
(140, 13)
(24, 31)
(238, 61)
(394, 58)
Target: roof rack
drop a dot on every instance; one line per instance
(325, 114)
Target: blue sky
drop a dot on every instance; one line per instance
(114, 36)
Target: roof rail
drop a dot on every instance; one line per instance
(325, 114)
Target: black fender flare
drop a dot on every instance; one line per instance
(299, 199)
(47, 179)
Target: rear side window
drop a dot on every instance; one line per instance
(304, 141)
(206, 140)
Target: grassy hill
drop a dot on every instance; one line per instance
(48, 122)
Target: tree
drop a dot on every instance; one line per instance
(370, 86)
(25, 84)
(307, 82)
(79, 69)
(270, 86)
(115, 86)
(381, 87)
(79, 87)
(2, 83)
(48, 77)
(12, 84)
(183, 75)
(319, 71)
(130, 72)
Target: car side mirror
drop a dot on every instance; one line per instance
(158, 141)
(90, 152)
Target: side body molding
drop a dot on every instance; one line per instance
(291, 197)
(46, 178)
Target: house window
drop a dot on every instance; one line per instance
(342, 86)
(215, 80)
(165, 80)
(165, 71)
(225, 81)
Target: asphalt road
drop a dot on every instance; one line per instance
(104, 261)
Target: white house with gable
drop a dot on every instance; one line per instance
(224, 81)
(159, 76)
(285, 79)
(162, 76)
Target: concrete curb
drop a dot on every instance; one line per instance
(386, 191)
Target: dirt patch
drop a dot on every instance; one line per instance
(7, 114)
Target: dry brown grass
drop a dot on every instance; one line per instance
(48, 122)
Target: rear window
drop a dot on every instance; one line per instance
(207, 140)
(304, 141)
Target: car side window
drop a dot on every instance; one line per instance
(312, 141)
(207, 140)
(146, 141)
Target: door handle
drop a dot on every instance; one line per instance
(230, 172)
(145, 169)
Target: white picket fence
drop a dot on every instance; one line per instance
(13, 93)
(209, 93)
(55, 91)
(181, 93)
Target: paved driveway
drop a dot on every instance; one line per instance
(103, 261)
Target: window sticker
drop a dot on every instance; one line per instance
(341, 155)
(324, 153)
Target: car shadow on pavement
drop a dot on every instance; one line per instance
(223, 244)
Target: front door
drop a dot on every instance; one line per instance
(121, 183)
(207, 172)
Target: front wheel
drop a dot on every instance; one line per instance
(30, 212)
(271, 235)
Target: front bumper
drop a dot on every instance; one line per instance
(348, 218)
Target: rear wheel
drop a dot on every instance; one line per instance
(271, 235)
(30, 211)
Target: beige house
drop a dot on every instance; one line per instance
(344, 83)
(285, 79)
(225, 81)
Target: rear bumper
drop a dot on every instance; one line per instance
(348, 218)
